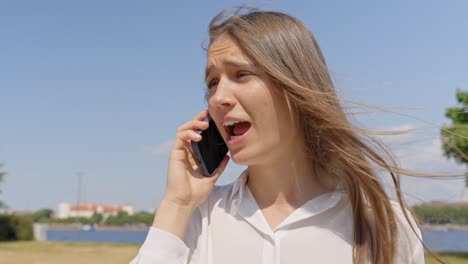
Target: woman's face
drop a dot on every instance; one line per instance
(248, 109)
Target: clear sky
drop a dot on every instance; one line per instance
(100, 87)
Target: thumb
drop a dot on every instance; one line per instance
(220, 168)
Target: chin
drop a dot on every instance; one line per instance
(240, 158)
(243, 158)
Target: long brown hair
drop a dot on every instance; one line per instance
(286, 51)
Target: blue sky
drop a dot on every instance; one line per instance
(100, 87)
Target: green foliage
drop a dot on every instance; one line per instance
(442, 214)
(7, 232)
(14, 227)
(454, 137)
(23, 227)
(41, 214)
(44, 216)
(2, 174)
(143, 217)
(122, 218)
(95, 219)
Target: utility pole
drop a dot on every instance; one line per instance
(78, 202)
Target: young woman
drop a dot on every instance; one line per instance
(310, 193)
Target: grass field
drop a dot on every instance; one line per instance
(69, 253)
(102, 253)
(460, 258)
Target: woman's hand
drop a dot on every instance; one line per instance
(186, 185)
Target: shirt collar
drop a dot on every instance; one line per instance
(243, 203)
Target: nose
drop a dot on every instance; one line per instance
(223, 96)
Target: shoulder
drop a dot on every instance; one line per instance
(409, 248)
(405, 224)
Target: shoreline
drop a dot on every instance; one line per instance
(142, 227)
(445, 227)
(81, 227)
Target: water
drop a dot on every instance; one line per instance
(128, 237)
(446, 240)
(441, 241)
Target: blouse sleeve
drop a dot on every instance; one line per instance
(162, 247)
(418, 254)
(409, 248)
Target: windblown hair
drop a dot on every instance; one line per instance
(287, 52)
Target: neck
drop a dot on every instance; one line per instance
(288, 180)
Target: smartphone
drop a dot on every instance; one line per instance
(211, 150)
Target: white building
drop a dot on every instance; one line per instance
(66, 210)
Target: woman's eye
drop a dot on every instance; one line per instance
(241, 74)
(212, 83)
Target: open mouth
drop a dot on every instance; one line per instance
(235, 129)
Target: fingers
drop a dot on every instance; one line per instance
(193, 125)
(190, 155)
(186, 132)
(201, 116)
(183, 137)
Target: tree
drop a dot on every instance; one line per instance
(41, 215)
(143, 217)
(455, 137)
(120, 219)
(442, 213)
(2, 174)
(96, 218)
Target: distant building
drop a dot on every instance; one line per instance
(66, 210)
(10, 211)
(6, 211)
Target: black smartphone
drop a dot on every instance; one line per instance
(211, 150)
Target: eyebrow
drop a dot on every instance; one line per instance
(235, 63)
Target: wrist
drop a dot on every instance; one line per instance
(173, 217)
(181, 204)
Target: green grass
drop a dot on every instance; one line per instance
(452, 258)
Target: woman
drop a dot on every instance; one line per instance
(310, 193)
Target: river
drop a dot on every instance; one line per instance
(436, 240)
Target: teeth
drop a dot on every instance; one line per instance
(234, 137)
(230, 123)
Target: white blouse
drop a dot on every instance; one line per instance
(229, 228)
